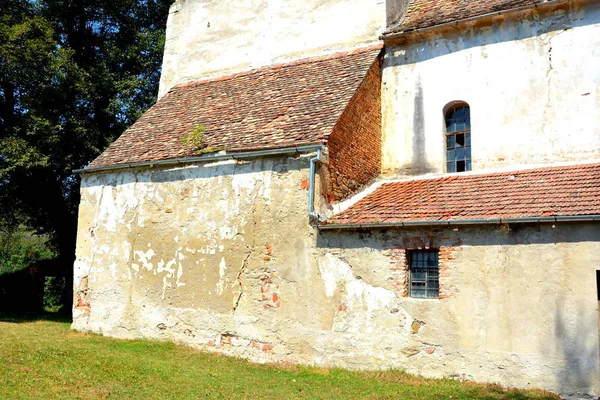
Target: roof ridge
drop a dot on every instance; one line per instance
(275, 67)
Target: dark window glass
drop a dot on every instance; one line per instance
(598, 284)
(458, 136)
(424, 274)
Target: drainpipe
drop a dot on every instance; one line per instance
(311, 190)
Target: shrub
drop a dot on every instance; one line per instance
(20, 249)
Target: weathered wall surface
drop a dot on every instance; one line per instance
(533, 87)
(516, 306)
(198, 254)
(222, 258)
(355, 144)
(207, 38)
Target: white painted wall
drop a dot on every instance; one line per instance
(207, 38)
(533, 87)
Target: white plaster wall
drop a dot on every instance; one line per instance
(522, 309)
(221, 257)
(533, 87)
(207, 38)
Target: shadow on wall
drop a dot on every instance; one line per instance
(280, 165)
(423, 49)
(567, 330)
(575, 334)
(471, 235)
(419, 164)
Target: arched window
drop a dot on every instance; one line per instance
(458, 138)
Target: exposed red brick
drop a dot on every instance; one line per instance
(399, 263)
(355, 144)
(267, 347)
(305, 184)
(552, 191)
(83, 301)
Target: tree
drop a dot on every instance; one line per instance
(73, 75)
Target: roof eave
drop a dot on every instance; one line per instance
(205, 158)
(388, 35)
(482, 221)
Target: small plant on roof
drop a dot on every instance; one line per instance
(195, 140)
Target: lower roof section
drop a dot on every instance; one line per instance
(543, 194)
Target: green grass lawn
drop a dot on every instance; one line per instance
(41, 358)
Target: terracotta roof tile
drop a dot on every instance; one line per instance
(273, 107)
(543, 192)
(427, 13)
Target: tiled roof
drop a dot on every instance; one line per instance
(273, 107)
(427, 13)
(543, 192)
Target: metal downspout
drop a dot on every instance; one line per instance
(311, 190)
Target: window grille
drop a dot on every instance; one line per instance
(458, 138)
(424, 274)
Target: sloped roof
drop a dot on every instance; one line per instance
(542, 192)
(273, 107)
(427, 13)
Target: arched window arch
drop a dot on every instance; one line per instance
(458, 137)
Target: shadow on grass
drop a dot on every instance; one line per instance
(22, 317)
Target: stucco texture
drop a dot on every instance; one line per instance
(532, 81)
(256, 33)
(222, 257)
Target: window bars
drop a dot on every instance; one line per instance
(424, 274)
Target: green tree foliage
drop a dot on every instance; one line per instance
(20, 249)
(73, 75)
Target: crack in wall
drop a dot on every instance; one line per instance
(250, 248)
(240, 285)
(549, 72)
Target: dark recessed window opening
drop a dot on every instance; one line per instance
(424, 274)
(458, 138)
(598, 284)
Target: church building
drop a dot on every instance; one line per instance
(365, 184)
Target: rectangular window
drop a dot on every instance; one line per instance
(424, 274)
(598, 285)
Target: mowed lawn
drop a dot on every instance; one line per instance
(41, 358)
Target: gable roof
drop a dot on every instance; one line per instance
(534, 193)
(273, 107)
(422, 14)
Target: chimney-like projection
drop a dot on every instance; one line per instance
(395, 11)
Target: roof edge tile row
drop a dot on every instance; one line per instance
(540, 194)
